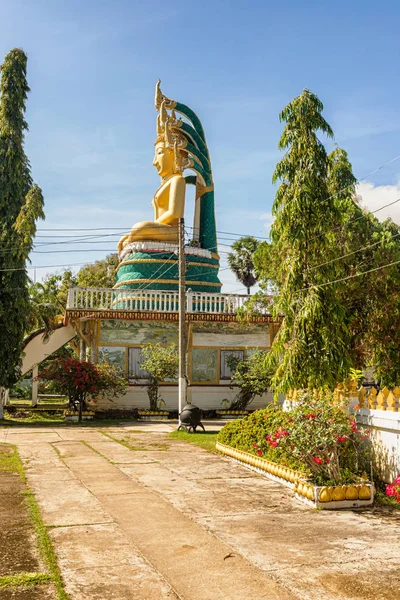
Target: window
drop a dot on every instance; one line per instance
(204, 365)
(136, 359)
(226, 372)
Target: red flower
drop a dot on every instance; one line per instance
(268, 438)
(259, 452)
(341, 438)
(317, 460)
(274, 443)
(255, 445)
(311, 416)
(390, 490)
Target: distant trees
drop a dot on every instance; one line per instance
(241, 261)
(21, 204)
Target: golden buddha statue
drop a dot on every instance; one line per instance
(169, 199)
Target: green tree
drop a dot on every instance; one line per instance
(372, 301)
(241, 261)
(250, 376)
(48, 301)
(161, 363)
(21, 204)
(312, 344)
(100, 274)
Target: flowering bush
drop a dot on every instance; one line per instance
(393, 490)
(316, 437)
(80, 380)
(161, 363)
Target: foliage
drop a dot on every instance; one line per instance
(21, 204)
(311, 347)
(241, 263)
(100, 274)
(372, 301)
(393, 490)
(322, 234)
(81, 380)
(316, 436)
(161, 363)
(252, 376)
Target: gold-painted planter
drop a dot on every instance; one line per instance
(326, 497)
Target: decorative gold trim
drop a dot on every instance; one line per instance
(170, 281)
(150, 315)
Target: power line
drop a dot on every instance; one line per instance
(354, 252)
(362, 216)
(396, 262)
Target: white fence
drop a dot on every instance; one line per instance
(154, 300)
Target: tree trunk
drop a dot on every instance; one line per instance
(248, 291)
(3, 394)
(80, 410)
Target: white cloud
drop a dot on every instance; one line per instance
(268, 219)
(376, 196)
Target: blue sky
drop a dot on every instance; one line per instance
(92, 70)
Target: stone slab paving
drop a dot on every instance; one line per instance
(140, 521)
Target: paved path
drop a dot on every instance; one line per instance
(134, 514)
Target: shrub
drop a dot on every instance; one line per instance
(393, 490)
(161, 363)
(316, 437)
(81, 380)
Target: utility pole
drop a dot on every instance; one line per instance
(182, 311)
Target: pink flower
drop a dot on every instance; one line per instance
(397, 480)
(274, 443)
(268, 438)
(390, 490)
(255, 445)
(317, 460)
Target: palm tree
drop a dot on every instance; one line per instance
(241, 263)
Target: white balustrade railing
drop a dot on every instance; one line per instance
(152, 300)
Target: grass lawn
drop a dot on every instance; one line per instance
(205, 440)
(25, 536)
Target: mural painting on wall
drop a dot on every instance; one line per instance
(204, 365)
(115, 355)
(136, 332)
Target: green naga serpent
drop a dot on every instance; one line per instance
(180, 145)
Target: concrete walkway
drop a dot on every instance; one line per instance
(134, 514)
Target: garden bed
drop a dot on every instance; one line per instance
(153, 415)
(74, 416)
(326, 497)
(231, 414)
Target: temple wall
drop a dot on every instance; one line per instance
(210, 344)
(385, 440)
(205, 397)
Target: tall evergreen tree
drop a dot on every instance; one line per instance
(311, 347)
(21, 204)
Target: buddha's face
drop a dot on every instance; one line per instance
(164, 160)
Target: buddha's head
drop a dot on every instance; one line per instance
(164, 159)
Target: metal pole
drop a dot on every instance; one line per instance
(182, 336)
